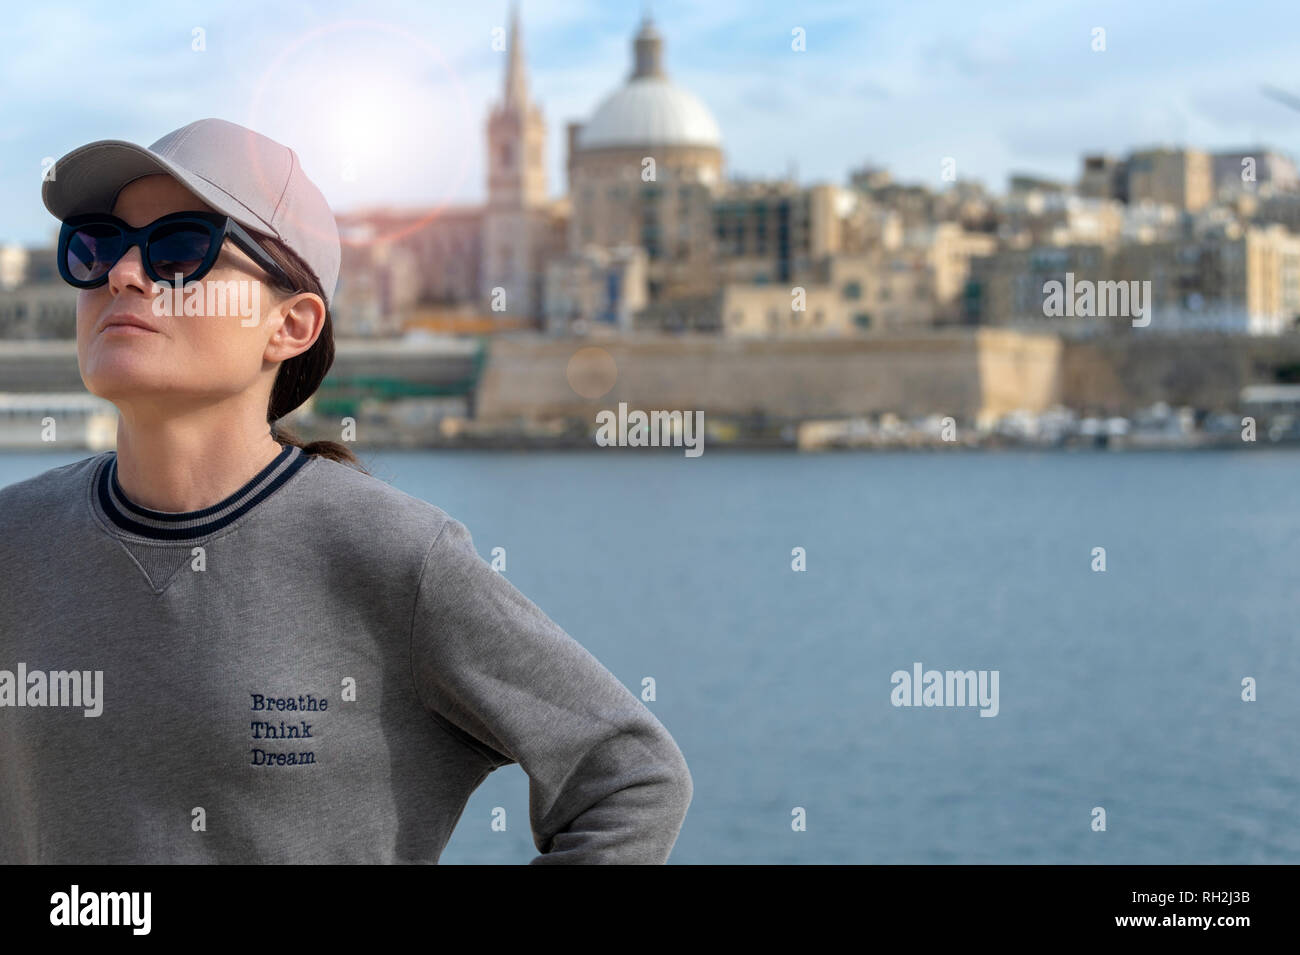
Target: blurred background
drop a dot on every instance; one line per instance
(961, 295)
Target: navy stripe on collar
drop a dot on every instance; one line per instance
(192, 525)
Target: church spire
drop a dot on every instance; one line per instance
(516, 93)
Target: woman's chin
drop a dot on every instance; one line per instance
(112, 380)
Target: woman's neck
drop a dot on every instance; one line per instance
(172, 468)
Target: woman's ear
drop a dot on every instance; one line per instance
(303, 320)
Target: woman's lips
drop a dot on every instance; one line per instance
(125, 322)
(128, 329)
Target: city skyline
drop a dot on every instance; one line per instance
(427, 147)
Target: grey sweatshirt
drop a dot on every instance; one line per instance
(318, 669)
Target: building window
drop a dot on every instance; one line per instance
(650, 236)
(862, 320)
(818, 317)
(852, 291)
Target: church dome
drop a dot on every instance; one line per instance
(650, 110)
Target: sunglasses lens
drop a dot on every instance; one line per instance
(92, 250)
(180, 247)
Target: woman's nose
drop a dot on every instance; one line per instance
(128, 271)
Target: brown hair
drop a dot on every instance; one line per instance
(298, 377)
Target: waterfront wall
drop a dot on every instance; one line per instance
(959, 372)
(1119, 374)
(964, 372)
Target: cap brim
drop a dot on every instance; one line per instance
(89, 178)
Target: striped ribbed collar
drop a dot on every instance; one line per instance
(184, 526)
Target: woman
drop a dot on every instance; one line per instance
(220, 645)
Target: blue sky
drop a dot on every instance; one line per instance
(402, 91)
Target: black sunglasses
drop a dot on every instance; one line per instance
(186, 242)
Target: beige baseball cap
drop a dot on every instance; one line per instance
(251, 178)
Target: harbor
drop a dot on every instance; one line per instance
(953, 389)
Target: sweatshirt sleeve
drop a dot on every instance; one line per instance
(607, 783)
